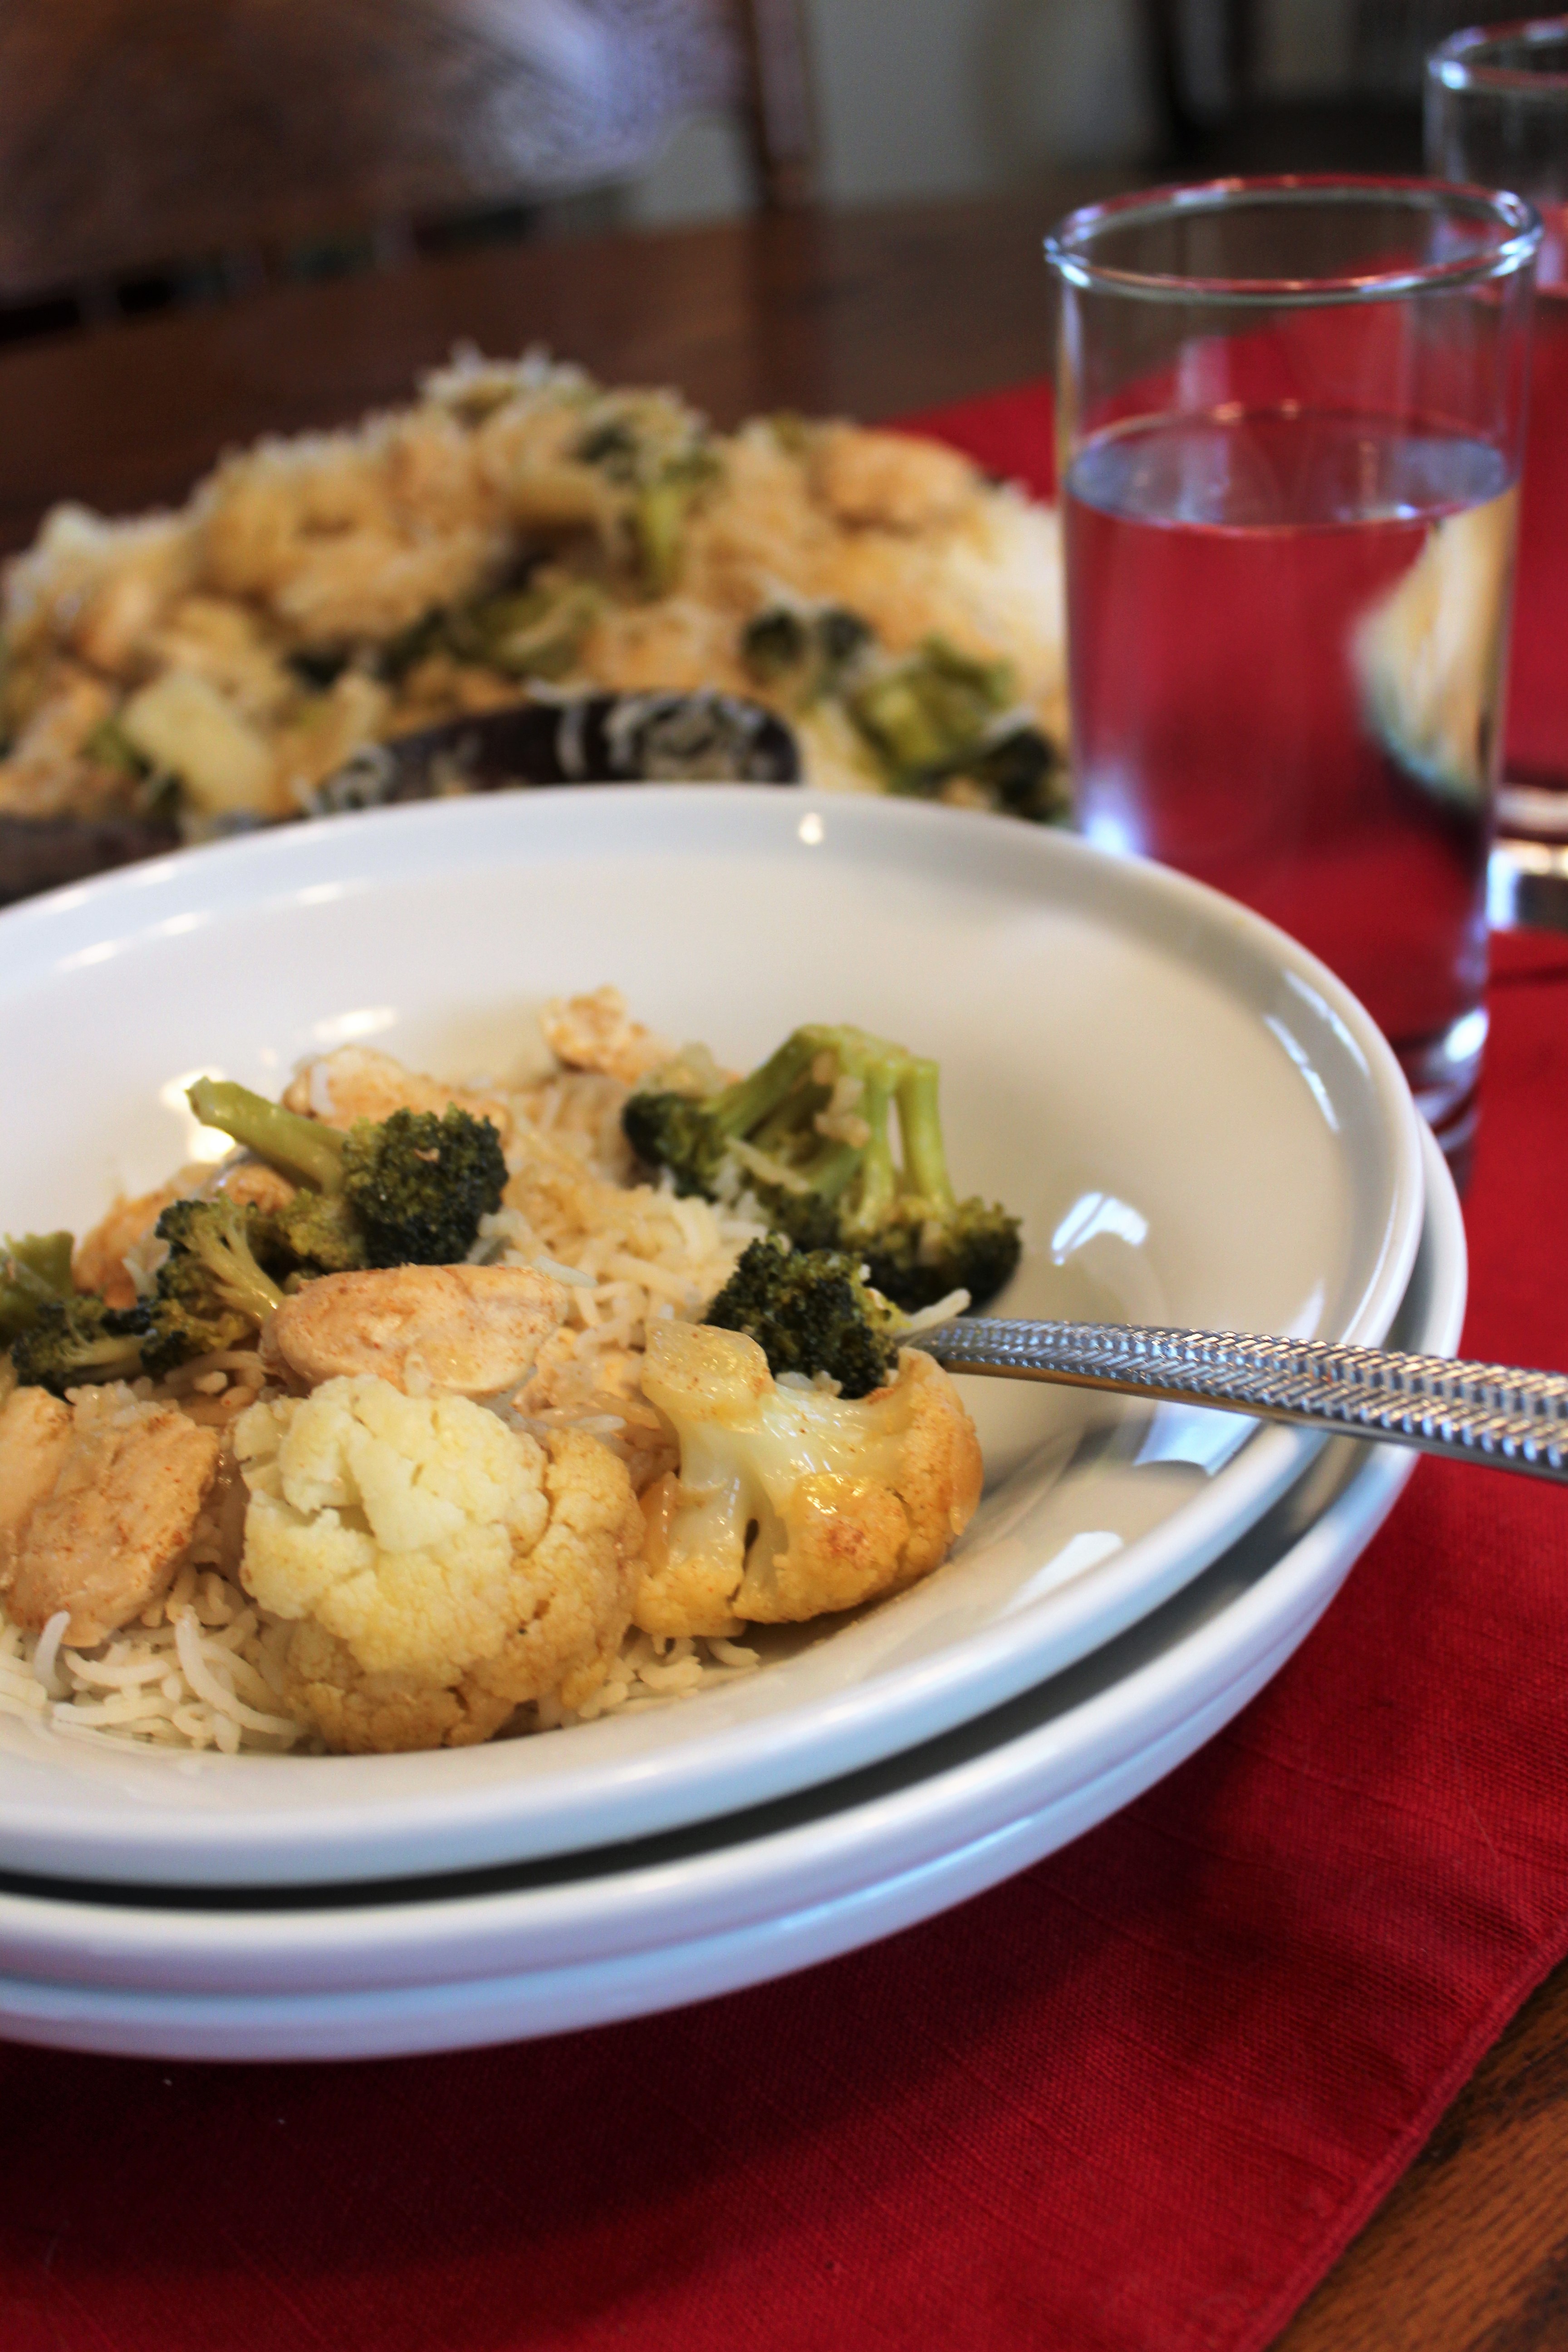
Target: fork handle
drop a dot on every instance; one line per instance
(1473, 1413)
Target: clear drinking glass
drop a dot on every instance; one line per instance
(1289, 419)
(1497, 114)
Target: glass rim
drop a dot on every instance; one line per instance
(1067, 246)
(1461, 63)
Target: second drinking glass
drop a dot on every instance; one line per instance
(1289, 419)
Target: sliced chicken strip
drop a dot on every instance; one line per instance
(254, 1185)
(889, 479)
(106, 1538)
(99, 1261)
(34, 1438)
(356, 1082)
(472, 1328)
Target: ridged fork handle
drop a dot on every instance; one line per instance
(1473, 1413)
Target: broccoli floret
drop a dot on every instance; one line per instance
(659, 513)
(413, 1186)
(78, 1341)
(809, 1311)
(316, 1232)
(809, 1136)
(813, 654)
(211, 1290)
(418, 1185)
(918, 1260)
(525, 632)
(1025, 775)
(33, 1273)
(928, 716)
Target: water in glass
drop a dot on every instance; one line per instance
(1289, 635)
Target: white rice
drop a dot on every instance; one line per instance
(208, 1675)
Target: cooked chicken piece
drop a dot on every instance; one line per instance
(105, 1538)
(472, 1328)
(254, 1185)
(50, 769)
(889, 478)
(596, 1033)
(98, 1262)
(356, 1082)
(34, 1438)
(97, 586)
(346, 537)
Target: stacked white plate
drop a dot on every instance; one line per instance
(1198, 1126)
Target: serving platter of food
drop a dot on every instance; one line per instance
(509, 1498)
(523, 539)
(540, 1949)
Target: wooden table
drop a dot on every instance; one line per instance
(867, 314)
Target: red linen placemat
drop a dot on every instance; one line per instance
(1135, 2101)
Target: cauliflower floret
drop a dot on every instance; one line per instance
(791, 1501)
(441, 1568)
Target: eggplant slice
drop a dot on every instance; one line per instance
(596, 739)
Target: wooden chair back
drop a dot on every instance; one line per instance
(136, 134)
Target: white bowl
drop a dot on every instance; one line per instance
(551, 1948)
(1198, 1123)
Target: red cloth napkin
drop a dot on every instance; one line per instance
(1134, 2101)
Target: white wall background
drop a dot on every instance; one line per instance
(938, 97)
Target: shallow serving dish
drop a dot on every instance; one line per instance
(1197, 1123)
(549, 1946)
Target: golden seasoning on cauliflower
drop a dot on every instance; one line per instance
(441, 1568)
(791, 1501)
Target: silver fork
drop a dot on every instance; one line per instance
(1472, 1413)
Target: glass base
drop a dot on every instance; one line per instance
(1444, 1074)
(1527, 885)
(1534, 812)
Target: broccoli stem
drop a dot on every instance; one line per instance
(878, 1178)
(742, 1109)
(925, 1155)
(832, 1175)
(35, 1273)
(22, 1298)
(227, 1254)
(45, 1256)
(301, 1147)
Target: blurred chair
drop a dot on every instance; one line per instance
(206, 139)
(1227, 109)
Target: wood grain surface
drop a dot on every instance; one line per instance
(1469, 2251)
(868, 314)
(864, 313)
